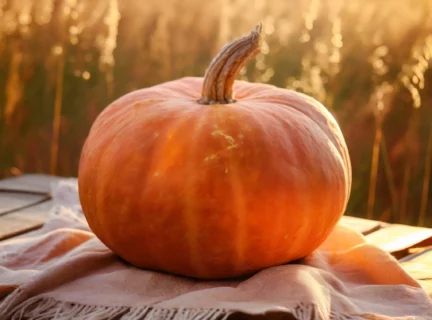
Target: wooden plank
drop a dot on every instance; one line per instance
(25, 220)
(13, 201)
(31, 182)
(22, 212)
(419, 266)
(23, 191)
(398, 239)
(362, 225)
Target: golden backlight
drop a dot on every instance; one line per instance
(368, 62)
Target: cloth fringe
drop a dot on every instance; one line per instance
(44, 308)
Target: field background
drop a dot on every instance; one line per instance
(63, 61)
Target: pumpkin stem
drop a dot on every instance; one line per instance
(225, 67)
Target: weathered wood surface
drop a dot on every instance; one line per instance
(31, 182)
(10, 201)
(25, 220)
(399, 239)
(24, 203)
(419, 266)
(362, 225)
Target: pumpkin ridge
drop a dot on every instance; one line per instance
(280, 225)
(101, 193)
(256, 116)
(101, 204)
(280, 119)
(334, 126)
(239, 207)
(96, 223)
(191, 220)
(155, 168)
(334, 143)
(317, 109)
(334, 138)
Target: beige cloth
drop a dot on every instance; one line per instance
(64, 272)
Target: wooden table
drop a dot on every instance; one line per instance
(25, 202)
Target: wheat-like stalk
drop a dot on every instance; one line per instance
(412, 75)
(426, 180)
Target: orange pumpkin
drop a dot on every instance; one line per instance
(182, 178)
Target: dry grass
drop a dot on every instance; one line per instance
(62, 62)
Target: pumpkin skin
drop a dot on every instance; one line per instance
(213, 191)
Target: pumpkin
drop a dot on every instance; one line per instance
(186, 178)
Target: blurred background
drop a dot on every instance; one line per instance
(369, 62)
